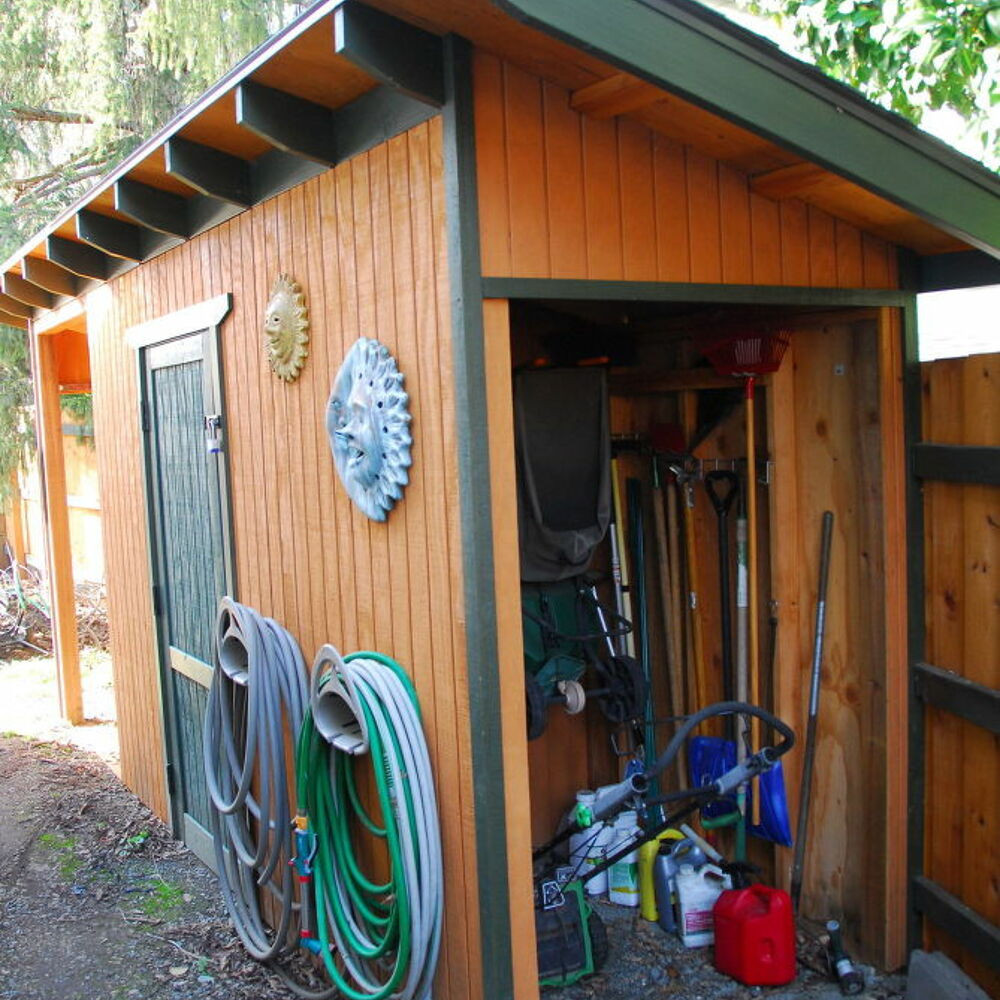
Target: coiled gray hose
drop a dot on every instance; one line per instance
(258, 684)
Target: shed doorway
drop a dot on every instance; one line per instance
(828, 426)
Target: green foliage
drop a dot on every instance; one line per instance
(909, 55)
(82, 82)
(17, 436)
(79, 406)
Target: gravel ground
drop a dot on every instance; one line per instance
(644, 963)
(97, 902)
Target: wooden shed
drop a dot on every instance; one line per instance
(477, 185)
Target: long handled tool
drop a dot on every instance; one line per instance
(722, 488)
(669, 599)
(805, 792)
(746, 356)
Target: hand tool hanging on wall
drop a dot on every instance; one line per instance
(669, 600)
(722, 488)
(623, 593)
(805, 789)
(637, 536)
(747, 356)
(695, 645)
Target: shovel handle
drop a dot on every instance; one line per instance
(722, 501)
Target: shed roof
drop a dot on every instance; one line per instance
(344, 75)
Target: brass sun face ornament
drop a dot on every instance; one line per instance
(286, 325)
(368, 423)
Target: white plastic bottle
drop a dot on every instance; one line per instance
(623, 876)
(697, 892)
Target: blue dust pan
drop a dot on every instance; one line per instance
(709, 757)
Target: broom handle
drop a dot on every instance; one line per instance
(752, 577)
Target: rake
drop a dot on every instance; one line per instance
(747, 356)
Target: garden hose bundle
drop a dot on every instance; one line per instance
(376, 939)
(259, 679)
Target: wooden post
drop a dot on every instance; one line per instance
(15, 520)
(59, 553)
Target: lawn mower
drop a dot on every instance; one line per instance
(571, 938)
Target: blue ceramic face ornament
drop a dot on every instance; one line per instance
(368, 423)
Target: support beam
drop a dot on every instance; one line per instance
(80, 258)
(60, 557)
(162, 211)
(957, 463)
(796, 181)
(964, 269)
(615, 95)
(287, 122)
(402, 56)
(15, 519)
(8, 320)
(210, 171)
(49, 276)
(974, 931)
(973, 702)
(24, 291)
(374, 118)
(123, 239)
(13, 307)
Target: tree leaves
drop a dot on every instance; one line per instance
(909, 55)
(107, 74)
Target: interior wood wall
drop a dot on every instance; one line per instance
(562, 195)
(962, 552)
(367, 242)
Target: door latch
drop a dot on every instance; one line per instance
(213, 433)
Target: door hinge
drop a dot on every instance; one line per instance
(157, 601)
(144, 417)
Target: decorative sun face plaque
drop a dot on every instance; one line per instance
(368, 422)
(286, 325)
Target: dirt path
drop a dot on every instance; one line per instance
(96, 901)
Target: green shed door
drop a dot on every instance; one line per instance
(192, 563)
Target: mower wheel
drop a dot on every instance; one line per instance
(599, 947)
(573, 695)
(536, 705)
(626, 695)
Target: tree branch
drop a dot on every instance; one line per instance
(23, 113)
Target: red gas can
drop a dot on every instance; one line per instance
(755, 936)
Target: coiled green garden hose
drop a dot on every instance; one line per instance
(376, 939)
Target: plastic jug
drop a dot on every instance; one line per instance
(623, 876)
(587, 847)
(648, 905)
(755, 936)
(697, 892)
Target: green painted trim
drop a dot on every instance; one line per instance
(401, 55)
(965, 269)
(666, 291)
(716, 66)
(476, 519)
(975, 932)
(973, 702)
(957, 463)
(915, 629)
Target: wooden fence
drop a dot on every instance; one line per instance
(962, 605)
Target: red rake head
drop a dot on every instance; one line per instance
(747, 355)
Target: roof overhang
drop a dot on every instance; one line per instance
(347, 75)
(685, 49)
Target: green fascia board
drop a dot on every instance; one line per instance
(729, 71)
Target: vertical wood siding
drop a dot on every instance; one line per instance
(962, 551)
(367, 242)
(562, 195)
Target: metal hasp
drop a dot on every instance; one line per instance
(368, 422)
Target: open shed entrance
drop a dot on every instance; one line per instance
(828, 429)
